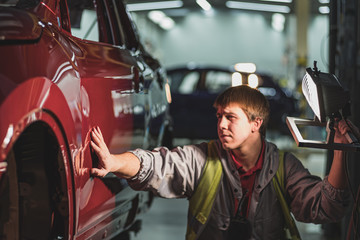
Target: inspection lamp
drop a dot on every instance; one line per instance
(329, 101)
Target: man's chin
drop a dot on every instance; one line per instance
(226, 146)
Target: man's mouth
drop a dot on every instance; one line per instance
(224, 136)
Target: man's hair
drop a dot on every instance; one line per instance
(250, 100)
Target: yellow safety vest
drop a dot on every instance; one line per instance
(203, 199)
(201, 202)
(291, 231)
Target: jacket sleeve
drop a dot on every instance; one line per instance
(312, 199)
(170, 173)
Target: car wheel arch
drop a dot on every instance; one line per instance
(44, 200)
(51, 123)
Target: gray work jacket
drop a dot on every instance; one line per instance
(175, 174)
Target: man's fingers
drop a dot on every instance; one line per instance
(98, 140)
(95, 146)
(343, 127)
(3, 166)
(95, 172)
(98, 172)
(98, 132)
(96, 135)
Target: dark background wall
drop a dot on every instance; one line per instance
(344, 62)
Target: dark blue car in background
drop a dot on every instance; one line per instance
(194, 89)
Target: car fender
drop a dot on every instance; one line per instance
(38, 99)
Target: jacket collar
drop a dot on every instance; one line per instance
(270, 166)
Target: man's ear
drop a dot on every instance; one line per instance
(257, 124)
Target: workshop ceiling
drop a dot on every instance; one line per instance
(191, 5)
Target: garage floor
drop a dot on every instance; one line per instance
(167, 217)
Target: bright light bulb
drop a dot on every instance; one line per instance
(167, 23)
(204, 4)
(253, 80)
(324, 9)
(245, 67)
(236, 79)
(156, 16)
(278, 21)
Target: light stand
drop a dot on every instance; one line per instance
(329, 101)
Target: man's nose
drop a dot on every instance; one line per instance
(222, 123)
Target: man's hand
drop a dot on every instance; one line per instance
(125, 165)
(337, 174)
(107, 162)
(342, 128)
(3, 166)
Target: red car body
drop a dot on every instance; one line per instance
(54, 88)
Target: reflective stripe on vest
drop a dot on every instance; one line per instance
(290, 228)
(203, 199)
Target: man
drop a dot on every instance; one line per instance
(249, 164)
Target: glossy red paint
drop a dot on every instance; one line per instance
(28, 103)
(70, 85)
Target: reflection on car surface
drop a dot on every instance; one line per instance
(66, 67)
(194, 89)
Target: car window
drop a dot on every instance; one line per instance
(217, 81)
(85, 21)
(87, 27)
(127, 25)
(189, 83)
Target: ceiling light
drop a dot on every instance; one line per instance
(324, 10)
(153, 5)
(258, 7)
(167, 23)
(156, 16)
(253, 80)
(160, 18)
(324, 1)
(245, 67)
(236, 79)
(278, 21)
(204, 4)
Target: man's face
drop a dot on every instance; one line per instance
(233, 126)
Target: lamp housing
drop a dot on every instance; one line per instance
(324, 94)
(329, 101)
